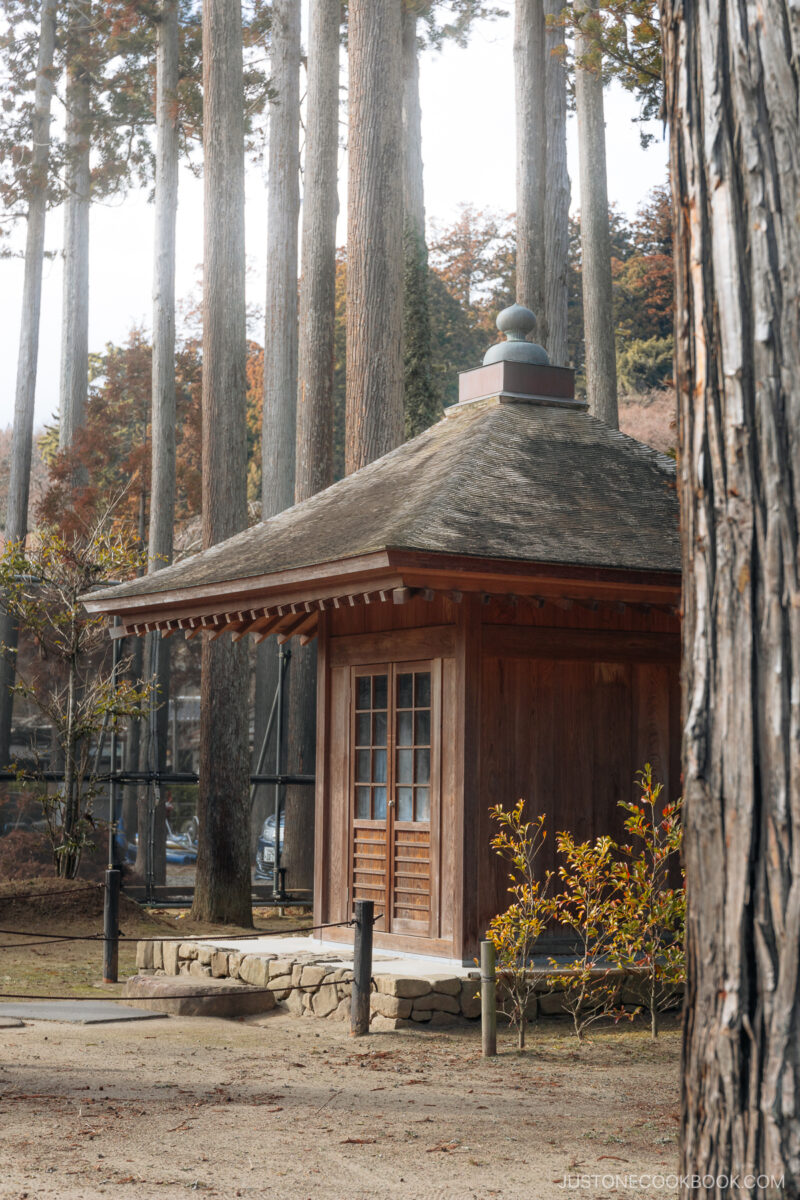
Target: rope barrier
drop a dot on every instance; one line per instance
(165, 937)
(294, 987)
(91, 887)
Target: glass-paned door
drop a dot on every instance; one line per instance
(394, 786)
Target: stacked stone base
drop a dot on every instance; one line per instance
(320, 985)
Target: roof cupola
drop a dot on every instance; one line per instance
(516, 322)
(518, 371)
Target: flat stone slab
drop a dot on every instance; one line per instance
(190, 996)
(10, 1023)
(75, 1012)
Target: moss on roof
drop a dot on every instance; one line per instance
(510, 481)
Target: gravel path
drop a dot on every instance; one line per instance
(292, 1109)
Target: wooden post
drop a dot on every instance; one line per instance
(362, 968)
(488, 1001)
(111, 927)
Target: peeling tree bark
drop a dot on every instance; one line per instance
(222, 890)
(28, 355)
(74, 381)
(732, 98)
(374, 399)
(598, 306)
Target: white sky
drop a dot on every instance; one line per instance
(468, 149)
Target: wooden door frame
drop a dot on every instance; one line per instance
(392, 669)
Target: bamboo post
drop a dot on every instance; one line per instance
(362, 968)
(111, 927)
(488, 1000)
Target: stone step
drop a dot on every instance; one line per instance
(191, 997)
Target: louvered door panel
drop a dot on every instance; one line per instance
(411, 906)
(370, 866)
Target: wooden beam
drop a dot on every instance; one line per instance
(427, 594)
(305, 638)
(300, 624)
(269, 628)
(252, 626)
(597, 645)
(401, 595)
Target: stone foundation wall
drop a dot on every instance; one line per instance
(319, 985)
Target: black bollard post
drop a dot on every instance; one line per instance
(362, 968)
(111, 927)
(488, 1000)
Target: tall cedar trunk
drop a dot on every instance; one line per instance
(283, 210)
(222, 889)
(314, 470)
(27, 358)
(557, 190)
(529, 80)
(598, 307)
(280, 327)
(162, 447)
(374, 398)
(75, 293)
(732, 99)
(421, 404)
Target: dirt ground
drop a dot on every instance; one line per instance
(291, 1108)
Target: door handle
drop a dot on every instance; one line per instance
(391, 803)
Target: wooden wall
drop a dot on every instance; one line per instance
(559, 703)
(569, 734)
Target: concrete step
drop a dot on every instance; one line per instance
(186, 996)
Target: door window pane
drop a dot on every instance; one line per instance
(379, 729)
(422, 766)
(379, 766)
(423, 805)
(362, 729)
(379, 693)
(405, 804)
(362, 803)
(405, 692)
(422, 689)
(405, 729)
(362, 766)
(362, 691)
(379, 804)
(405, 766)
(422, 728)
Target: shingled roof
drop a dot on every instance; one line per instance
(511, 481)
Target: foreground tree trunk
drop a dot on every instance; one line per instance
(75, 293)
(314, 469)
(557, 193)
(529, 81)
(222, 889)
(421, 404)
(374, 399)
(732, 101)
(598, 307)
(162, 492)
(27, 357)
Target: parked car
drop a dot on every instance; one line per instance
(265, 850)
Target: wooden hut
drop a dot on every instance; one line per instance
(496, 610)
